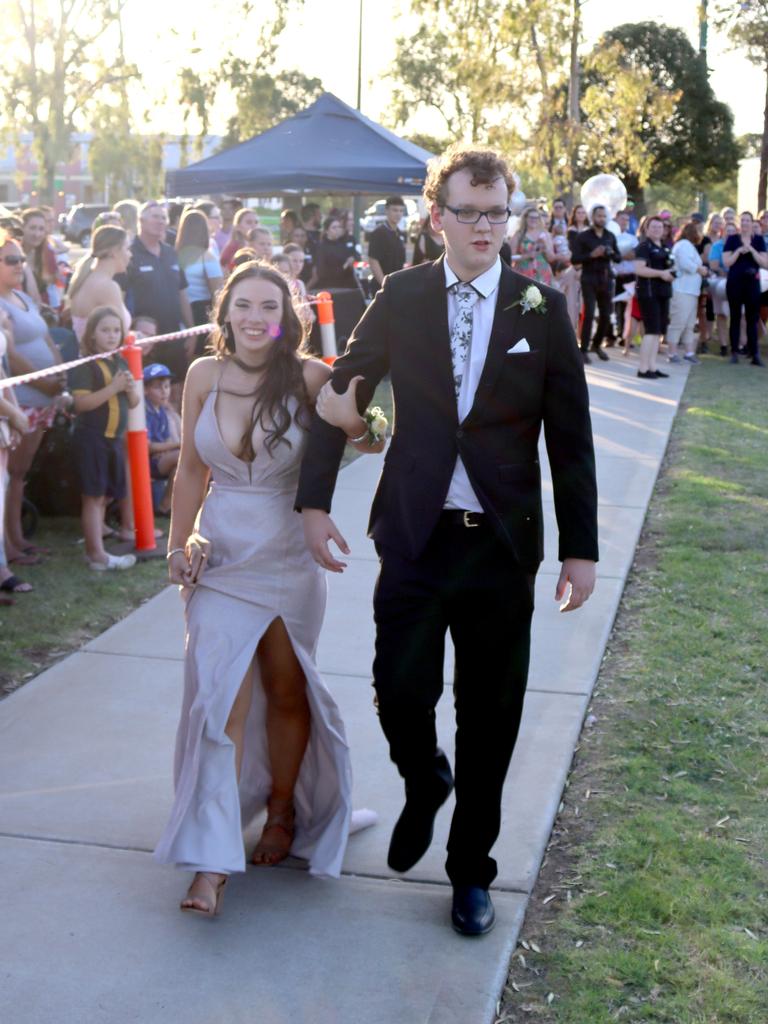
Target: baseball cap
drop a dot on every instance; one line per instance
(664, 214)
(156, 371)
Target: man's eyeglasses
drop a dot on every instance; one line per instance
(466, 215)
(13, 261)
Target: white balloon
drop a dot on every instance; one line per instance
(604, 190)
(517, 201)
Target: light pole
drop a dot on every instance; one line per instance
(703, 27)
(357, 201)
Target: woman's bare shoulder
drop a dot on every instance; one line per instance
(316, 373)
(203, 371)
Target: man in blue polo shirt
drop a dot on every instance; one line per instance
(157, 287)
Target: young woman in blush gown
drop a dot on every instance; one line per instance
(258, 726)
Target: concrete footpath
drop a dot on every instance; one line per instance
(89, 924)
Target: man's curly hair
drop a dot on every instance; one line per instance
(485, 164)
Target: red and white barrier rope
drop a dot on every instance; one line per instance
(57, 368)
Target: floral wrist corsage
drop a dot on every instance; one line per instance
(376, 423)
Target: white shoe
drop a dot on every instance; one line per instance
(113, 562)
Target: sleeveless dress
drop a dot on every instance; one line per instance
(258, 570)
(537, 266)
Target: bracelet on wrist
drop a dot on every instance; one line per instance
(360, 439)
(375, 427)
(174, 551)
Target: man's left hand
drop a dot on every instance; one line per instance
(579, 573)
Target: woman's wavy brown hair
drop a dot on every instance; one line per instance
(284, 377)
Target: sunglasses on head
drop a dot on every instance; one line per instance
(13, 261)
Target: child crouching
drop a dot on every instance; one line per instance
(103, 390)
(163, 430)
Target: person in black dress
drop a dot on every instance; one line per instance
(743, 255)
(429, 245)
(653, 269)
(335, 257)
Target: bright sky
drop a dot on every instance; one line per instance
(322, 41)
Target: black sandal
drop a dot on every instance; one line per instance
(13, 585)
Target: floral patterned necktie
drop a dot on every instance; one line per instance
(461, 331)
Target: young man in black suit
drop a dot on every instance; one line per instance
(478, 364)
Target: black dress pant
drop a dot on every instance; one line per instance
(743, 291)
(468, 582)
(596, 291)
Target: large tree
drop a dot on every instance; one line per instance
(696, 143)
(69, 59)
(747, 25)
(649, 111)
(487, 67)
(257, 94)
(260, 99)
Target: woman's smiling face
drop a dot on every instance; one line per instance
(255, 314)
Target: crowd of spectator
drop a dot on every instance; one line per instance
(155, 267)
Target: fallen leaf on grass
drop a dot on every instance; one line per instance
(549, 899)
(535, 948)
(550, 998)
(751, 934)
(679, 775)
(579, 943)
(719, 824)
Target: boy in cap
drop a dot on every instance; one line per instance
(163, 429)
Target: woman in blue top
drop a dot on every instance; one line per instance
(202, 270)
(743, 255)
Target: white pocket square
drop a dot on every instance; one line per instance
(520, 346)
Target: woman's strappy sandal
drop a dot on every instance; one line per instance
(211, 907)
(280, 819)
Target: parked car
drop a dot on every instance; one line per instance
(77, 223)
(375, 216)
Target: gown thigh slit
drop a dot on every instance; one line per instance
(258, 570)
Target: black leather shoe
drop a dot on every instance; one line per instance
(734, 357)
(646, 374)
(472, 912)
(659, 373)
(413, 830)
(757, 361)
(600, 354)
(585, 357)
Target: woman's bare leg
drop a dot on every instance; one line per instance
(19, 463)
(288, 726)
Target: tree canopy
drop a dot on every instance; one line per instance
(71, 59)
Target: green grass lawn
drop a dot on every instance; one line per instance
(69, 605)
(652, 904)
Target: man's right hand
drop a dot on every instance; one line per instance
(319, 529)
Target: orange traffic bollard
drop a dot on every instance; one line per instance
(138, 456)
(327, 326)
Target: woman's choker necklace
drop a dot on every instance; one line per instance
(246, 366)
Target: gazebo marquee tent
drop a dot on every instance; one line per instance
(327, 148)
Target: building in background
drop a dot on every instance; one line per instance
(19, 172)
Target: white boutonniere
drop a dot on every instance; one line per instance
(531, 299)
(377, 424)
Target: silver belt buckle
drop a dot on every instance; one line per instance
(467, 522)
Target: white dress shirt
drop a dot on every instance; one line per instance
(461, 494)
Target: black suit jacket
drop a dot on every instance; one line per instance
(405, 332)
